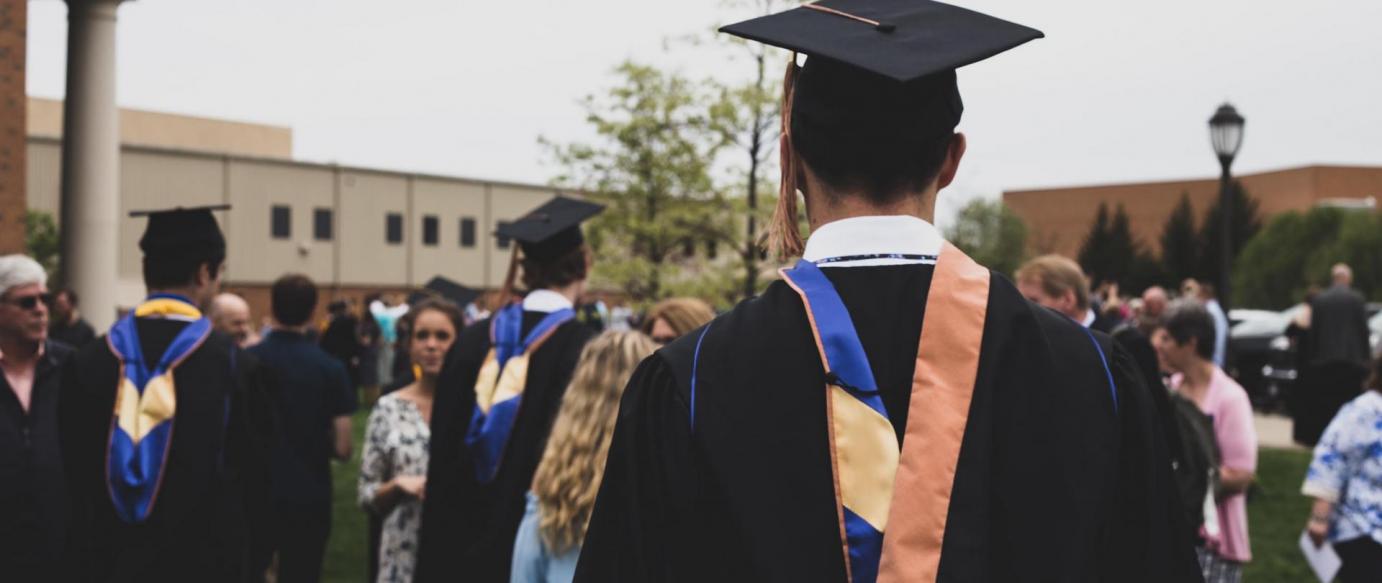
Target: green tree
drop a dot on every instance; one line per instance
(990, 233)
(1246, 223)
(749, 117)
(41, 240)
(651, 166)
(1110, 252)
(1359, 244)
(1295, 251)
(1179, 243)
(1093, 256)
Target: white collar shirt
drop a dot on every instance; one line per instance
(874, 240)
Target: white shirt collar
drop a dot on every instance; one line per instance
(545, 300)
(873, 235)
(1088, 318)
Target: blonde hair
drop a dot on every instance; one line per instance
(568, 477)
(682, 314)
(1057, 275)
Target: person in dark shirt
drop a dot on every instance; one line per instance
(341, 339)
(66, 323)
(1335, 356)
(32, 509)
(315, 401)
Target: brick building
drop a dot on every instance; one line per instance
(13, 23)
(1059, 218)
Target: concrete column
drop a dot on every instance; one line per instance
(91, 160)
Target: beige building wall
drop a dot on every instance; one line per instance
(256, 187)
(367, 258)
(450, 202)
(178, 132)
(508, 202)
(43, 178)
(356, 259)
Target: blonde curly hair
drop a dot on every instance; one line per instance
(568, 477)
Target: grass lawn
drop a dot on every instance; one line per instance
(1276, 516)
(345, 551)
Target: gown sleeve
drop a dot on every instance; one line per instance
(642, 508)
(449, 512)
(1148, 540)
(253, 429)
(80, 425)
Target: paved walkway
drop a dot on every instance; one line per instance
(1274, 431)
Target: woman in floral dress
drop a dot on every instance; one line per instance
(393, 470)
(1345, 479)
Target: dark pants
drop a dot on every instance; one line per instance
(1362, 559)
(1324, 388)
(300, 541)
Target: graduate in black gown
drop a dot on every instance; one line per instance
(498, 394)
(174, 485)
(958, 431)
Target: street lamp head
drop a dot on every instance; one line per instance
(1226, 133)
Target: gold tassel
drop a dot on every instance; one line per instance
(784, 237)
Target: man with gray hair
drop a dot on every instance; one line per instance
(32, 492)
(1336, 355)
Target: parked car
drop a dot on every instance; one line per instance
(1252, 335)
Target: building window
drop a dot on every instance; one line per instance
(429, 230)
(393, 228)
(467, 232)
(281, 221)
(321, 224)
(503, 241)
(688, 247)
(712, 249)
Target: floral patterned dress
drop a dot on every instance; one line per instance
(395, 445)
(1347, 470)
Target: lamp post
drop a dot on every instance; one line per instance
(1226, 135)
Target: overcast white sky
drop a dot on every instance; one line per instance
(1118, 91)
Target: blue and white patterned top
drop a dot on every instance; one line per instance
(1347, 469)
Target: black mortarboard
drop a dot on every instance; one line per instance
(551, 230)
(190, 231)
(457, 293)
(875, 70)
(882, 67)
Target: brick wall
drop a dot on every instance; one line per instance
(13, 21)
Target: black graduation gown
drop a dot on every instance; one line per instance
(1051, 485)
(468, 527)
(213, 506)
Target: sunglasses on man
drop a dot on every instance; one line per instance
(30, 302)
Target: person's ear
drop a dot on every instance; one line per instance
(1068, 303)
(951, 165)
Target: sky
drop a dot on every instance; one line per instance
(1116, 92)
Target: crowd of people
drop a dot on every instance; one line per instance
(993, 429)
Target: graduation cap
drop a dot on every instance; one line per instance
(182, 231)
(875, 69)
(882, 66)
(443, 287)
(551, 230)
